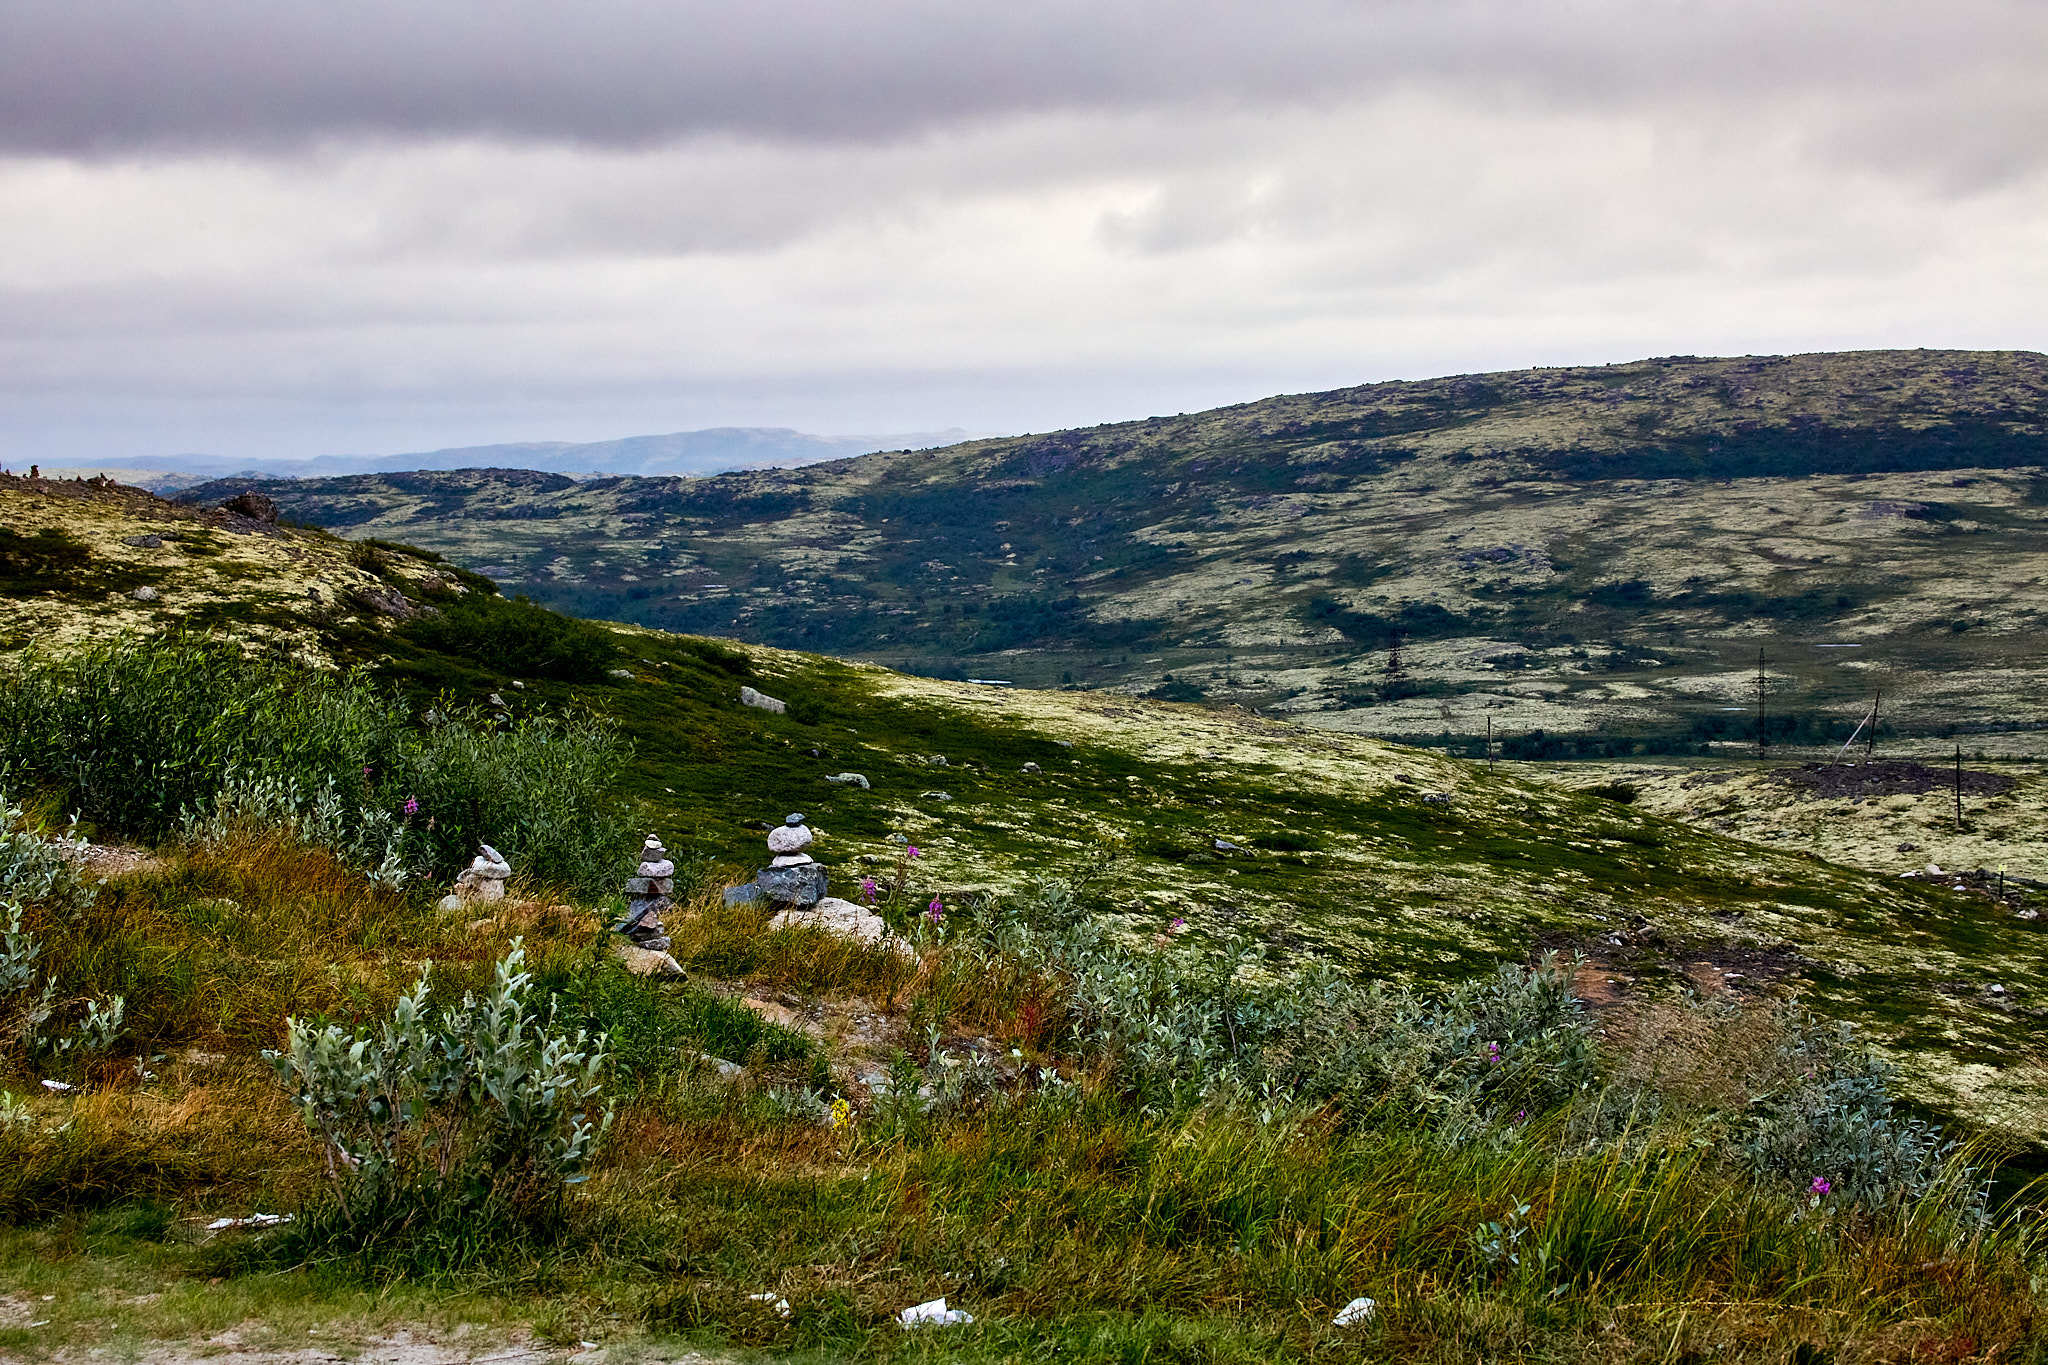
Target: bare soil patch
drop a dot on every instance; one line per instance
(1893, 777)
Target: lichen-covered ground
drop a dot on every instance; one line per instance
(1887, 826)
(82, 560)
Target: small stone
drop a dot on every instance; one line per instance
(1032, 768)
(144, 542)
(751, 697)
(789, 860)
(622, 674)
(935, 796)
(647, 962)
(1435, 799)
(899, 838)
(1224, 846)
(850, 780)
(496, 700)
(789, 839)
(145, 593)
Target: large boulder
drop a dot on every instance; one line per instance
(836, 916)
(253, 505)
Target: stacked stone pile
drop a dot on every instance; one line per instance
(482, 881)
(795, 884)
(792, 877)
(647, 895)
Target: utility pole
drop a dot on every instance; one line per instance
(1870, 744)
(1759, 701)
(1959, 787)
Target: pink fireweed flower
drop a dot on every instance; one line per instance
(868, 888)
(1178, 923)
(910, 851)
(1493, 1053)
(935, 911)
(412, 805)
(1820, 1185)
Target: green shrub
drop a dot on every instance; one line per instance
(514, 636)
(151, 739)
(445, 1123)
(1827, 1122)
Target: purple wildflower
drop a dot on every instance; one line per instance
(868, 889)
(910, 851)
(1178, 924)
(412, 805)
(1820, 1185)
(1493, 1053)
(935, 911)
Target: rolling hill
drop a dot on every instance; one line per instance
(1388, 861)
(1585, 562)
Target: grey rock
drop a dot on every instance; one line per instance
(1032, 768)
(145, 593)
(144, 542)
(836, 916)
(750, 894)
(789, 839)
(899, 838)
(623, 674)
(850, 780)
(1224, 846)
(1435, 799)
(936, 796)
(803, 885)
(751, 697)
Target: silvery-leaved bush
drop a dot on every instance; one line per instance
(488, 1090)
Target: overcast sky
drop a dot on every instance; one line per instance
(275, 228)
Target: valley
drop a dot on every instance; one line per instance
(1586, 563)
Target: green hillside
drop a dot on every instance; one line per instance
(1390, 862)
(1587, 559)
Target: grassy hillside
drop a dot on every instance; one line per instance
(1589, 559)
(1354, 1071)
(1389, 861)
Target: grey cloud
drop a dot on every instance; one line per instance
(114, 76)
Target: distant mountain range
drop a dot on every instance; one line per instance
(713, 450)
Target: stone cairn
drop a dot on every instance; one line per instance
(647, 895)
(795, 885)
(791, 879)
(482, 881)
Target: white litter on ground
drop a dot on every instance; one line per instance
(57, 1085)
(781, 1304)
(934, 1314)
(254, 1220)
(1354, 1313)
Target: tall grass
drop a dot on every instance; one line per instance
(143, 738)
